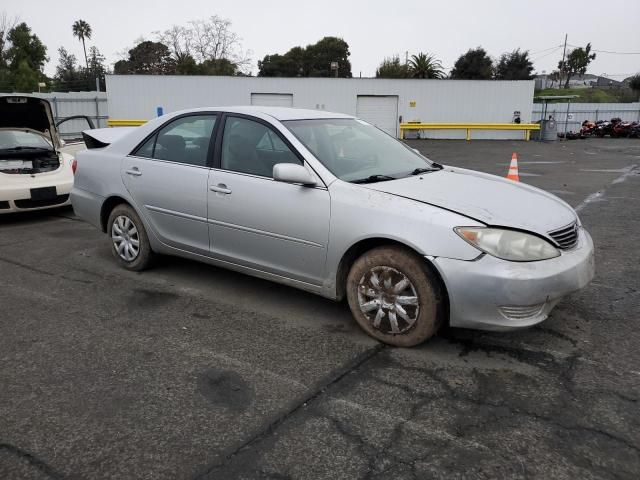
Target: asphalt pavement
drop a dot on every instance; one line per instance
(191, 371)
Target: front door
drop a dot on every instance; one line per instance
(257, 222)
(167, 179)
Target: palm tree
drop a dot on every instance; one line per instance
(82, 30)
(425, 66)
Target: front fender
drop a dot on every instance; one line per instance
(359, 214)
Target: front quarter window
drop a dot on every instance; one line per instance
(354, 150)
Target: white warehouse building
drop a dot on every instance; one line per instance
(383, 102)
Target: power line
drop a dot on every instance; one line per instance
(546, 49)
(608, 51)
(547, 54)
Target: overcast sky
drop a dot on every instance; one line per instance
(373, 29)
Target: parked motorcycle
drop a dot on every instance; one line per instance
(605, 127)
(588, 129)
(621, 130)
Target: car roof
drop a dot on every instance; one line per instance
(279, 113)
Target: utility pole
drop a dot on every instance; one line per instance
(564, 53)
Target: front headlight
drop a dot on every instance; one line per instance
(508, 244)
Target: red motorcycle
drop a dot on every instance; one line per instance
(588, 129)
(621, 129)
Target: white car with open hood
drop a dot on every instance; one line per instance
(34, 173)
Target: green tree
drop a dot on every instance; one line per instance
(280, 66)
(514, 66)
(82, 30)
(25, 78)
(97, 69)
(312, 61)
(392, 68)
(220, 66)
(186, 65)
(151, 58)
(473, 65)
(320, 55)
(423, 65)
(25, 47)
(634, 83)
(67, 73)
(576, 63)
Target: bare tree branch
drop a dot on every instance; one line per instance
(206, 40)
(6, 25)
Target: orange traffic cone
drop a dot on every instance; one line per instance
(513, 168)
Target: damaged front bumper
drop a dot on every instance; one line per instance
(493, 294)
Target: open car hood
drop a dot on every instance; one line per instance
(29, 113)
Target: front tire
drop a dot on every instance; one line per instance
(394, 297)
(129, 240)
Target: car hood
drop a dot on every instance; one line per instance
(487, 198)
(29, 113)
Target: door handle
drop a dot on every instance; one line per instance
(134, 171)
(220, 188)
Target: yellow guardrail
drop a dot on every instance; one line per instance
(526, 127)
(125, 123)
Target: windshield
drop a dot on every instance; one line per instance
(10, 139)
(354, 150)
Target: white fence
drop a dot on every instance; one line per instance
(576, 113)
(68, 104)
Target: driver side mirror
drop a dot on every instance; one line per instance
(293, 173)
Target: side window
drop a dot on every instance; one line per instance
(252, 147)
(146, 150)
(185, 140)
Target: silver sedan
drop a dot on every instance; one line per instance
(327, 203)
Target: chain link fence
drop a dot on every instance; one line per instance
(575, 113)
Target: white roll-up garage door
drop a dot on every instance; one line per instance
(381, 111)
(272, 99)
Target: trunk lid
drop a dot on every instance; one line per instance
(29, 113)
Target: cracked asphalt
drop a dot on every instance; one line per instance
(190, 371)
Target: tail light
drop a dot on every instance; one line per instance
(74, 165)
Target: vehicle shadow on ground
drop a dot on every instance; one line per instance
(26, 218)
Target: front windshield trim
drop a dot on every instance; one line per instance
(353, 150)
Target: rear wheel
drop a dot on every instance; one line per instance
(394, 297)
(129, 241)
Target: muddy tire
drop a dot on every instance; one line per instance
(394, 297)
(129, 241)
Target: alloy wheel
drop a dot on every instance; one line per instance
(388, 300)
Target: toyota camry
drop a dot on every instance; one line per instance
(330, 204)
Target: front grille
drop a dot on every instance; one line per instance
(4, 205)
(566, 237)
(28, 203)
(513, 312)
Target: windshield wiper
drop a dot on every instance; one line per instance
(374, 178)
(418, 171)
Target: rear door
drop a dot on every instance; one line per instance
(167, 179)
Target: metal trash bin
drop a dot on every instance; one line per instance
(548, 130)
